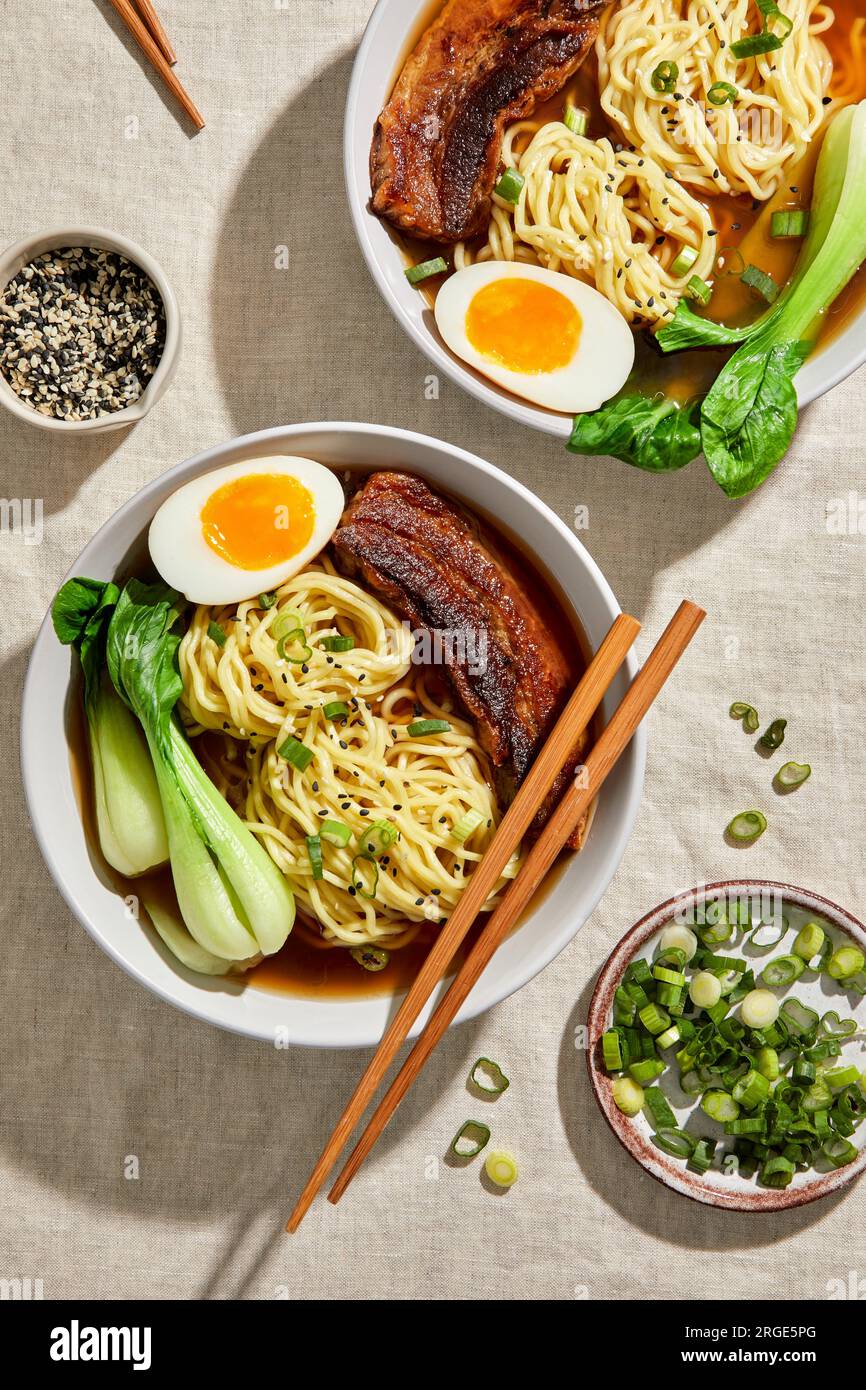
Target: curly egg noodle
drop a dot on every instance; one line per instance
(596, 213)
(366, 767)
(618, 217)
(740, 146)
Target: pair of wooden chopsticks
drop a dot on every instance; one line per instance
(573, 722)
(146, 28)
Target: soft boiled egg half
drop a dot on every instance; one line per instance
(245, 529)
(542, 335)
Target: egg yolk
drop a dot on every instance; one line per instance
(260, 521)
(524, 326)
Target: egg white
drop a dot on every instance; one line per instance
(186, 561)
(599, 368)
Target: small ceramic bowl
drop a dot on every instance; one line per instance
(25, 251)
(719, 1188)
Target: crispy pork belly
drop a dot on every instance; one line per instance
(431, 563)
(481, 65)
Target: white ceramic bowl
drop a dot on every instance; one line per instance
(393, 27)
(25, 251)
(250, 1010)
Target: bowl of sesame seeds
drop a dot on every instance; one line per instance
(89, 331)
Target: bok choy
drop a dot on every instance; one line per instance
(748, 418)
(233, 899)
(129, 817)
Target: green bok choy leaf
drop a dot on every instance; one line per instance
(129, 817)
(234, 901)
(749, 416)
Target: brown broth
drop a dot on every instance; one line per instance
(305, 968)
(744, 235)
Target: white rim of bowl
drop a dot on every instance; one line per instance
(15, 257)
(461, 374)
(211, 458)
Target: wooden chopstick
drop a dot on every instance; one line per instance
(152, 51)
(572, 723)
(604, 756)
(154, 24)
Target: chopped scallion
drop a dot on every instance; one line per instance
(314, 850)
(336, 709)
(761, 282)
(664, 77)
(335, 832)
(510, 186)
(466, 826)
(217, 634)
(721, 93)
(372, 958)
(416, 274)
(470, 1139)
(489, 1077)
(419, 728)
(793, 775)
(753, 45)
(747, 827)
(789, 224)
(684, 261)
(748, 714)
(297, 754)
(576, 120)
(699, 289)
(337, 644)
(501, 1168)
(774, 737)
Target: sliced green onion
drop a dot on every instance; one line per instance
(750, 1124)
(645, 1071)
(358, 882)
(751, 1090)
(748, 714)
(803, 1072)
(669, 1036)
(721, 93)
(664, 77)
(510, 186)
(793, 774)
(717, 933)
(809, 942)
(611, 1049)
(753, 45)
(684, 261)
(784, 970)
(217, 634)
(466, 826)
(767, 1063)
(654, 1019)
(705, 990)
(420, 727)
(297, 754)
(839, 1152)
(775, 735)
(759, 1009)
(470, 1139)
(372, 958)
(770, 10)
(378, 837)
(777, 1172)
(845, 961)
(335, 832)
(489, 1077)
(267, 600)
(314, 850)
(720, 1106)
(787, 225)
(655, 1103)
(701, 1159)
(768, 934)
(679, 938)
(287, 623)
(336, 709)
(675, 1142)
(296, 636)
(747, 827)
(841, 1077)
(576, 120)
(628, 1095)
(699, 289)
(837, 1027)
(763, 284)
(798, 1018)
(669, 977)
(501, 1168)
(337, 644)
(415, 274)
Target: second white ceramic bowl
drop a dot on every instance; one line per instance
(393, 27)
(248, 1009)
(22, 253)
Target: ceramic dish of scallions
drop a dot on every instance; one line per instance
(727, 1045)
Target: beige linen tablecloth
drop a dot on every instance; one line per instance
(94, 1070)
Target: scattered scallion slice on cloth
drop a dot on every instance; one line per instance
(748, 714)
(747, 827)
(793, 775)
(488, 1077)
(470, 1139)
(774, 736)
(501, 1168)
